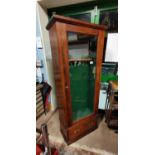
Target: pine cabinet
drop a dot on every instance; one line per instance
(77, 52)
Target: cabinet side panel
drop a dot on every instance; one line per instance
(100, 46)
(63, 45)
(58, 76)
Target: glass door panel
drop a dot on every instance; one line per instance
(82, 67)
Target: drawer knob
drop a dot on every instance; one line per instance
(76, 131)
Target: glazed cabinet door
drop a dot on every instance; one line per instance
(83, 58)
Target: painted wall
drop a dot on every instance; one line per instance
(40, 55)
(43, 20)
(112, 48)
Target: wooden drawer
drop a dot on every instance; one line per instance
(81, 127)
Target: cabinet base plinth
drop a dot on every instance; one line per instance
(79, 129)
(70, 141)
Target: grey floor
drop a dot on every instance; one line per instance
(101, 141)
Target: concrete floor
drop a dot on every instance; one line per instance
(102, 141)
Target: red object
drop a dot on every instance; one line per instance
(56, 153)
(38, 150)
(46, 102)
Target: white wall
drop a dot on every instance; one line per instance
(58, 3)
(43, 20)
(112, 47)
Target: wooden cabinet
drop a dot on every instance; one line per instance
(77, 50)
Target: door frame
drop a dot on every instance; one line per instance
(100, 45)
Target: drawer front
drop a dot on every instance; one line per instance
(81, 127)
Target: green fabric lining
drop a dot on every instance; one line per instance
(82, 90)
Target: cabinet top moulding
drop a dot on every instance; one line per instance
(72, 21)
